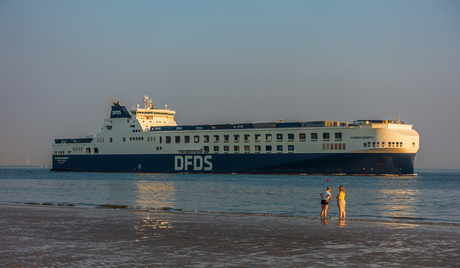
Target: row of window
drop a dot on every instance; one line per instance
(234, 138)
(245, 137)
(77, 149)
(334, 146)
(247, 149)
(383, 144)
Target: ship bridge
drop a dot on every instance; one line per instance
(150, 116)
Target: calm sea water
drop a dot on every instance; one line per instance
(427, 198)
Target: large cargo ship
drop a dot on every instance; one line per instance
(148, 139)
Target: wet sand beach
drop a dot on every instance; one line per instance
(37, 236)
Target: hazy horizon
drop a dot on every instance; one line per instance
(62, 62)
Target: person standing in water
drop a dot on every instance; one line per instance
(341, 202)
(325, 197)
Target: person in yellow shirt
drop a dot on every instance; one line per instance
(341, 202)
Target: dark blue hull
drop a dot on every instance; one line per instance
(343, 163)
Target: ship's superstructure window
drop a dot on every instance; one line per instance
(187, 139)
(302, 137)
(291, 137)
(124, 139)
(314, 136)
(226, 138)
(279, 137)
(168, 139)
(206, 138)
(236, 138)
(236, 149)
(111, 139)
(279, 148)
(96, 150)
(268, 137)
(108, 127)
(216, 138)
(338, 136)
(206, 149)
(257, 137)
(335, 146)
(177, 139)
(226, 149)
(196, 139)
(326, 136)
(247, 149)
(257, 148)
(290, 148)
(216, 149)
(247, 137)
(268, 148)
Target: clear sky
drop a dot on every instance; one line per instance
(228, 61)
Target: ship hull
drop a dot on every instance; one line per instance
(278, 163)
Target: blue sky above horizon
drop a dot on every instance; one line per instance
(228, 61)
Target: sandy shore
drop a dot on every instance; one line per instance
(37, 236)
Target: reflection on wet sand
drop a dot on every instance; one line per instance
(148, 223)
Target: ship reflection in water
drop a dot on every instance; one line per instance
(400, 203)
(153, 195)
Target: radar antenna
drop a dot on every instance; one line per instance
(147, 102)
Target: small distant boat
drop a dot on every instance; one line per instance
(148, 139)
